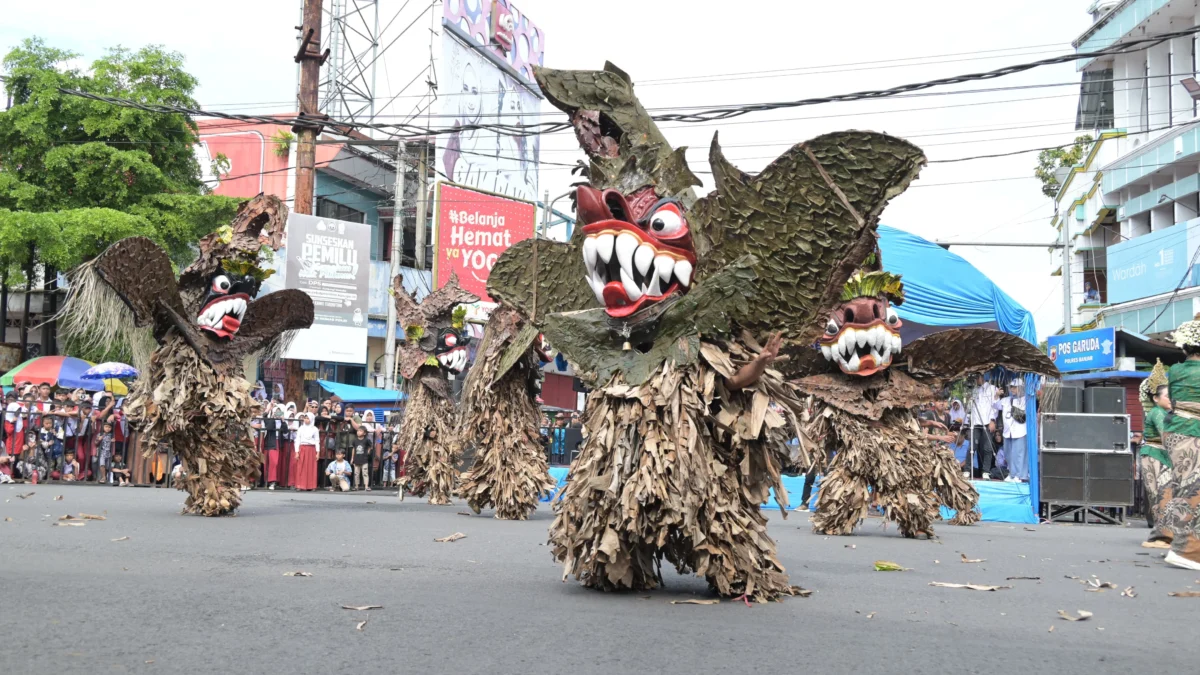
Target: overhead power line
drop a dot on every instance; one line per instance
(405, 130)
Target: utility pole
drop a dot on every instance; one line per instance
(1066, 275)
(389, 349)
(545, 214)
(422, 204)
(310, 58)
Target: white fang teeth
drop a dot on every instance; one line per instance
(589, 254)
(852, 364)
(826, 352)
(896, 343)
(846, 342)
(683, 272)
(654, 289)
(631, 289)
(643, 258)
(597, 286)
(663, 266)
(626, 245)
(860, 336)
(604, 246)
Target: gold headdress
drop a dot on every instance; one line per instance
(1158, 377)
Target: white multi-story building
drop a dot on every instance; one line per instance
(1131, 205)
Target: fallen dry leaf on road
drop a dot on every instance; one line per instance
(361, 608)
(888, 566)
(360, 625)
(297, 574)
(369, 503)
(1030, 529)
(1051, 629)
(850, 546)
(27, 495)
(973, 587)
(1084, 615)
(802, 592)
(121, 539)
(73, 523)
(58, 498)
(67, 517)
(89, 516)
(8, 520)
(1184, 594)
(872, 615)
(150, 661)
(454, 537)
(1096, 586)
(464, 513)
(972, 560)
(712, 601)
(1022, 578)
(1129, 593)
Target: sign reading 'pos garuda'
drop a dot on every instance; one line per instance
(472, 230)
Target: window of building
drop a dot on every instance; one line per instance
(327, 208)
(409, 257)
(1095, 100)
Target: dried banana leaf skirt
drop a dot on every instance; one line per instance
(657, 477)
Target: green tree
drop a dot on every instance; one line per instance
(1053, 159)
(77, 175)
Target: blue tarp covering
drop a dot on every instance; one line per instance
(352, 394)
(943, 290)
(998, 501)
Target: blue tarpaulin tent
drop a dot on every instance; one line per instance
(380, 401)
(943, 291)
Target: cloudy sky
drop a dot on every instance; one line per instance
(710, 53)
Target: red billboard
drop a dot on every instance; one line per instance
(473, 228)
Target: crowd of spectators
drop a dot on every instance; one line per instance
(60, 434)
(987, 433)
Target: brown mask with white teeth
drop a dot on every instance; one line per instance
(862, 335)
(637, 248)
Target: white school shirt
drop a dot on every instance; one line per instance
(982, 403)
(308, 435)
(1012, 428)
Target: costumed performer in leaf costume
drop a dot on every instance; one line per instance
(698, 299)
(1180, 501)
(435, 346)
(500, 417)
(864, 383)
(192, 394)
(1153, 461)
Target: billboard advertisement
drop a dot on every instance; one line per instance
(330, 261)
(1086, 350)
(471, 230)
(484, 81)
(1153, 263)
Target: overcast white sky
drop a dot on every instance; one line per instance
(242, 53)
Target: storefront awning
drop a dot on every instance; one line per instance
(353, 394)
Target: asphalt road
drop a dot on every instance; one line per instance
(186, 594)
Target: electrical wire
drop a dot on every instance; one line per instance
(709, 115)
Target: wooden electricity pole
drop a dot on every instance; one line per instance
(310, 58)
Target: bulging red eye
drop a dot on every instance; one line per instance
(667, 222)
(221, 284)
(451, 340)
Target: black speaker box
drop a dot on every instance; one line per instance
(1079, 477)
(1104, 400)
(1067, 431)
(1070, 400)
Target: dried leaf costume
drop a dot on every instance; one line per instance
(681, 446)
(435, 344)
(192, 394)
(862, 408)
(500, 418)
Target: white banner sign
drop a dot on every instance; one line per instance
(330, 261)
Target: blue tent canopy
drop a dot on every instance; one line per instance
(943, 291)
(352, 394)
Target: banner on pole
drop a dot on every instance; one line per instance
(329, 260)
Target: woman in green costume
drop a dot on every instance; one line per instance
(1181, 439)
(1153, 462)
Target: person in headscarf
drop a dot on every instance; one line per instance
(304, 457)
(957, 412)
(1181, 439)
(260, 391)
(1153, 462)
(287, 438)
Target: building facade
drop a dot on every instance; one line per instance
(354, 183)
(1130, 207)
